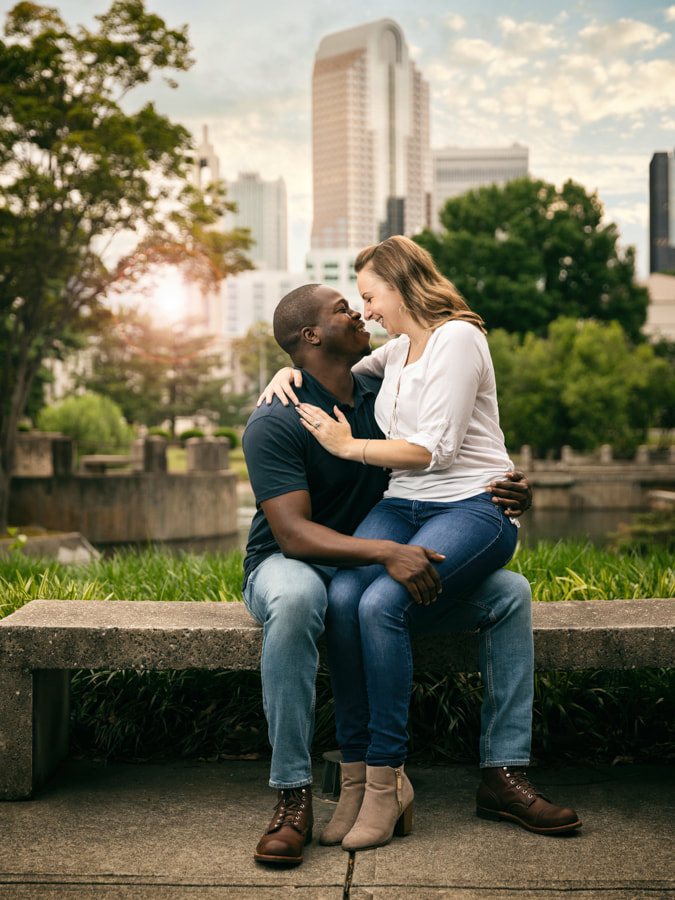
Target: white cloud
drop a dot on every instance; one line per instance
(615, 37)
(670, 14)
(476, 52)
(455, 22)
(527, 36)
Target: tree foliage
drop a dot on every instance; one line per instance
(156, 372)
(77, 169)
(527, 253)
(584, 384)
(89, 419)
(259, 355)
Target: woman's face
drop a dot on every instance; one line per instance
(381, 302)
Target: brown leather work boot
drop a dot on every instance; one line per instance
(506, 794)
(289, 830)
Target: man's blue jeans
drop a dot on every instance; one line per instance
(370, 618)
(289, 598)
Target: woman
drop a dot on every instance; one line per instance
(437, 408)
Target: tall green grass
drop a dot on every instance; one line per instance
(590, 716)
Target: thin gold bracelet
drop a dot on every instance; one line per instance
(363, 452)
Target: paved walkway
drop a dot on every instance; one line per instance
(186, 831)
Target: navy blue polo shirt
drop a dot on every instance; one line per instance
(282, 456)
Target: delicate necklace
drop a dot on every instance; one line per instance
(393, 418)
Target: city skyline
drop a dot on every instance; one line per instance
(589, 90)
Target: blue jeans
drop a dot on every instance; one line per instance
(370, 618)
(289, 598)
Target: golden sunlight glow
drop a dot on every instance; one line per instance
(161, 293)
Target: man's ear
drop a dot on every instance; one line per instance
(310, 335)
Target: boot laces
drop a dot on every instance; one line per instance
(290, 807)
(521, 782)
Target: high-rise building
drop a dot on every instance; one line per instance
(261, 207)
(207, 167)
(662, 212)
(370, 138)
(460, 169)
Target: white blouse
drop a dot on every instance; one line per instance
(446, 401)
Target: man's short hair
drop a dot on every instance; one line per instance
(295, 311)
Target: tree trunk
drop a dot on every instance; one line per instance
(5, 483)
(13, 410)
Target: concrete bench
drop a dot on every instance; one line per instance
(44, 640)
(98, 464)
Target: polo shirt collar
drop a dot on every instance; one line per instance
(361, 390)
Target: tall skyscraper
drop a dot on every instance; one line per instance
(207, 167)
(370, 136)
(460, 169)
(262, 208)
(662, 212)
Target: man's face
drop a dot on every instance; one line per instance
(342, 329)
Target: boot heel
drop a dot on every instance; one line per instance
(404, 823)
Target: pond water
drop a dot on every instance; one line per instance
(595, 525)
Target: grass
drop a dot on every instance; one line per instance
(176, 461)
(591, 716)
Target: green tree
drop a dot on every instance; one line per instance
(526, 253)
(76, 170)
(154, 372)
(584, 384)
(89, 419)
(259, 356)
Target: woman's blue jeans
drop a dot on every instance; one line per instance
(370, 618)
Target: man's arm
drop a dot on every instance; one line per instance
(290, 518)
(514, 494)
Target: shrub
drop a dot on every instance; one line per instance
(228, 433)
(190, 433)
(160, 432)
(89, 419)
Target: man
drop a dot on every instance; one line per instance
(309, 502)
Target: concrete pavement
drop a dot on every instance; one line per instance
(186, 831)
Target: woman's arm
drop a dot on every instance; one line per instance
(336, 436)
(283, 381)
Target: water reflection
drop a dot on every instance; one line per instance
(595, 525)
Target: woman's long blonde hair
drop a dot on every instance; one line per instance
(430, 298)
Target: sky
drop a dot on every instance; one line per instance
(588, 88)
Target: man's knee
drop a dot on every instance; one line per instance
(297, 608)
(508, 592)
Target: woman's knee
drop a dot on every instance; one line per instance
(383, 600)
(344, 593)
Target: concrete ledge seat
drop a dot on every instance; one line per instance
(44, 640)
(98, 463)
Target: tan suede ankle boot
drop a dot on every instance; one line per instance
(386, 809)
(353, 786)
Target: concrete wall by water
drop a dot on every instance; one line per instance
(130, 506)
(134, 506)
